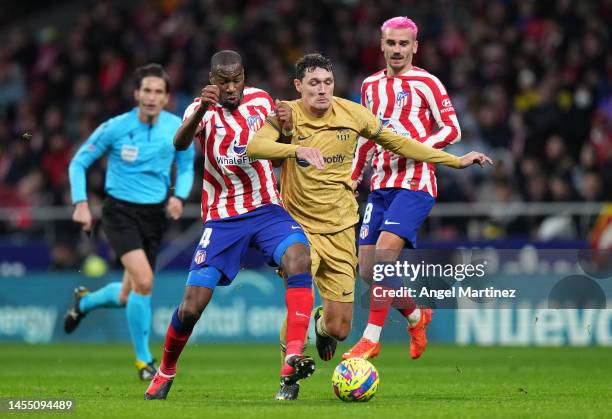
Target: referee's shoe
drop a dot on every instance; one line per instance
(146, 370)
(73, 316)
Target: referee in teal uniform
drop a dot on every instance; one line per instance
(140, 158)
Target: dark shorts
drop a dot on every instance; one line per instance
(399, 211)
(134, 226)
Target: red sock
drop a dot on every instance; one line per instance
(299, 305)
(175, 342)
(405, 305)
(379, 304)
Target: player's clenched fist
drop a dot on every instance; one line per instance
(210, 95)
(284, 115)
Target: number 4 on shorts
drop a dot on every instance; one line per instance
(205, 240)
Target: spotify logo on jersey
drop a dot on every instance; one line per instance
(337, 158)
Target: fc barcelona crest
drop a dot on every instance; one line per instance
(343, 134)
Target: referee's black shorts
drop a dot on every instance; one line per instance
(134, 226)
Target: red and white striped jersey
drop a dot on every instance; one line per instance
(415, 105)
(234, 183)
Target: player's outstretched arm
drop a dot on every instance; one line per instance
(412, 149)
(191, 125)
(264, 144)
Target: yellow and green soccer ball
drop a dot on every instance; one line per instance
(355, 380)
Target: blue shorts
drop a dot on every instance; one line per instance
(224, 243)
(399, 211)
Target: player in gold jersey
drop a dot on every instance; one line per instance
(316, 182)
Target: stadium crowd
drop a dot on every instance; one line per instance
(531, 83)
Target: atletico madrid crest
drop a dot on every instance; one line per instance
(401, 99)
(200, 257)
(254, 122)
(365, 230)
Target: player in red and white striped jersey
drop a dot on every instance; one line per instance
(415, 104)
(233, 183)
(241, 207)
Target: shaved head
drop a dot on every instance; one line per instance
(225, 58)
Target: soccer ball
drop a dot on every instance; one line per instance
(355, 380)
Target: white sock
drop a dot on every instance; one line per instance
(372, 332)
(165, 375)
(414, 317)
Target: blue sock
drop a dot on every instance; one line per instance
(303, 280)
(138, 313)
(107, 296)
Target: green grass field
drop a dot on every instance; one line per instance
(240, 381)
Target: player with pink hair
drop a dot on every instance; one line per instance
(414, 104)
(400, 22)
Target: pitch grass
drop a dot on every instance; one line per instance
(239, 381)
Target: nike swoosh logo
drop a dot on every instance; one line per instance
(345, 293)
(387, 222)
(219, 126)
(302, 315)
(302, 138)
(295, 227)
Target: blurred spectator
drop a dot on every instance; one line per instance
(592, 188)
(54, 164)
(561, 189)
(537, 189)
(556, 160)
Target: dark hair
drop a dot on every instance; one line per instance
(311, 61)
(154, 70)
(224, 58)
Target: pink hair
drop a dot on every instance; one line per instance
(400, 22)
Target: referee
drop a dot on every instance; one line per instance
(140, 158)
